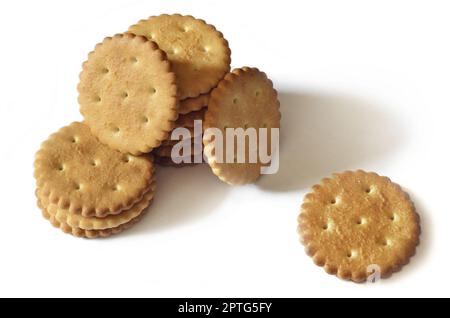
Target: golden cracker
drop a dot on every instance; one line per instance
(74, 171)
(244, 98)
(199, 54)
(127, 94)
(355, 222)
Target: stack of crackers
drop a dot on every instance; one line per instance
(96, 177)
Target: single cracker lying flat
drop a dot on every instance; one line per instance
(192, 104)
(199, 54)
(89, 233)
(76, 172)
(187, 120)
(245, 98)
(127, 94)
(356, 224)
(94, 223)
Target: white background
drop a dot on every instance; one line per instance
(362, 84)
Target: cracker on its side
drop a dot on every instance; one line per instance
(199, 54)
(355, 222)
(128, 94)
(245, 98)
(76, 172)
(193, 104)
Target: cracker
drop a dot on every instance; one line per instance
(127, 94)
(199, 54)
(244, 98)
(187, 120)
(94, 223)
(74, 171)
(89, 233)
(192, 104)
(353, 221)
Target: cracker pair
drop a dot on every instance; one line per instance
(132, 84)
(89, 189)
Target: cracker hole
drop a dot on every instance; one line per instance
(257, 93)
(133, 59)
(264, 125)
(78, 187)
(145, 120)
(126, 159)
(97, 99)
(351, 254)
(368, 190)
(386, 242)
(333, 201)
(361, 221)
(74, 140)
(245, 126)
(93, 163)
(184, 29)
(150, 36)
(205, 49)
(325, 227)
(105, 70)
(152, 90)
(61, 168)
(116, 188)
(392, 217)
(124, 94)
(116, 130)
(235, 100)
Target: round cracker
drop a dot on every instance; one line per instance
(355, 222)
(193, 104)
(244, 98)
(199, 54)
(94, 223)
(74, 171)
(127, 94)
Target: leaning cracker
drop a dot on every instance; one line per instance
(127, 94)
(89, 233)
(192, 104)
(355, 223)
(245, 98)
(94, 223)
(74, 171)
(199, 54)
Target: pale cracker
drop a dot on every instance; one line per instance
(199, 54)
